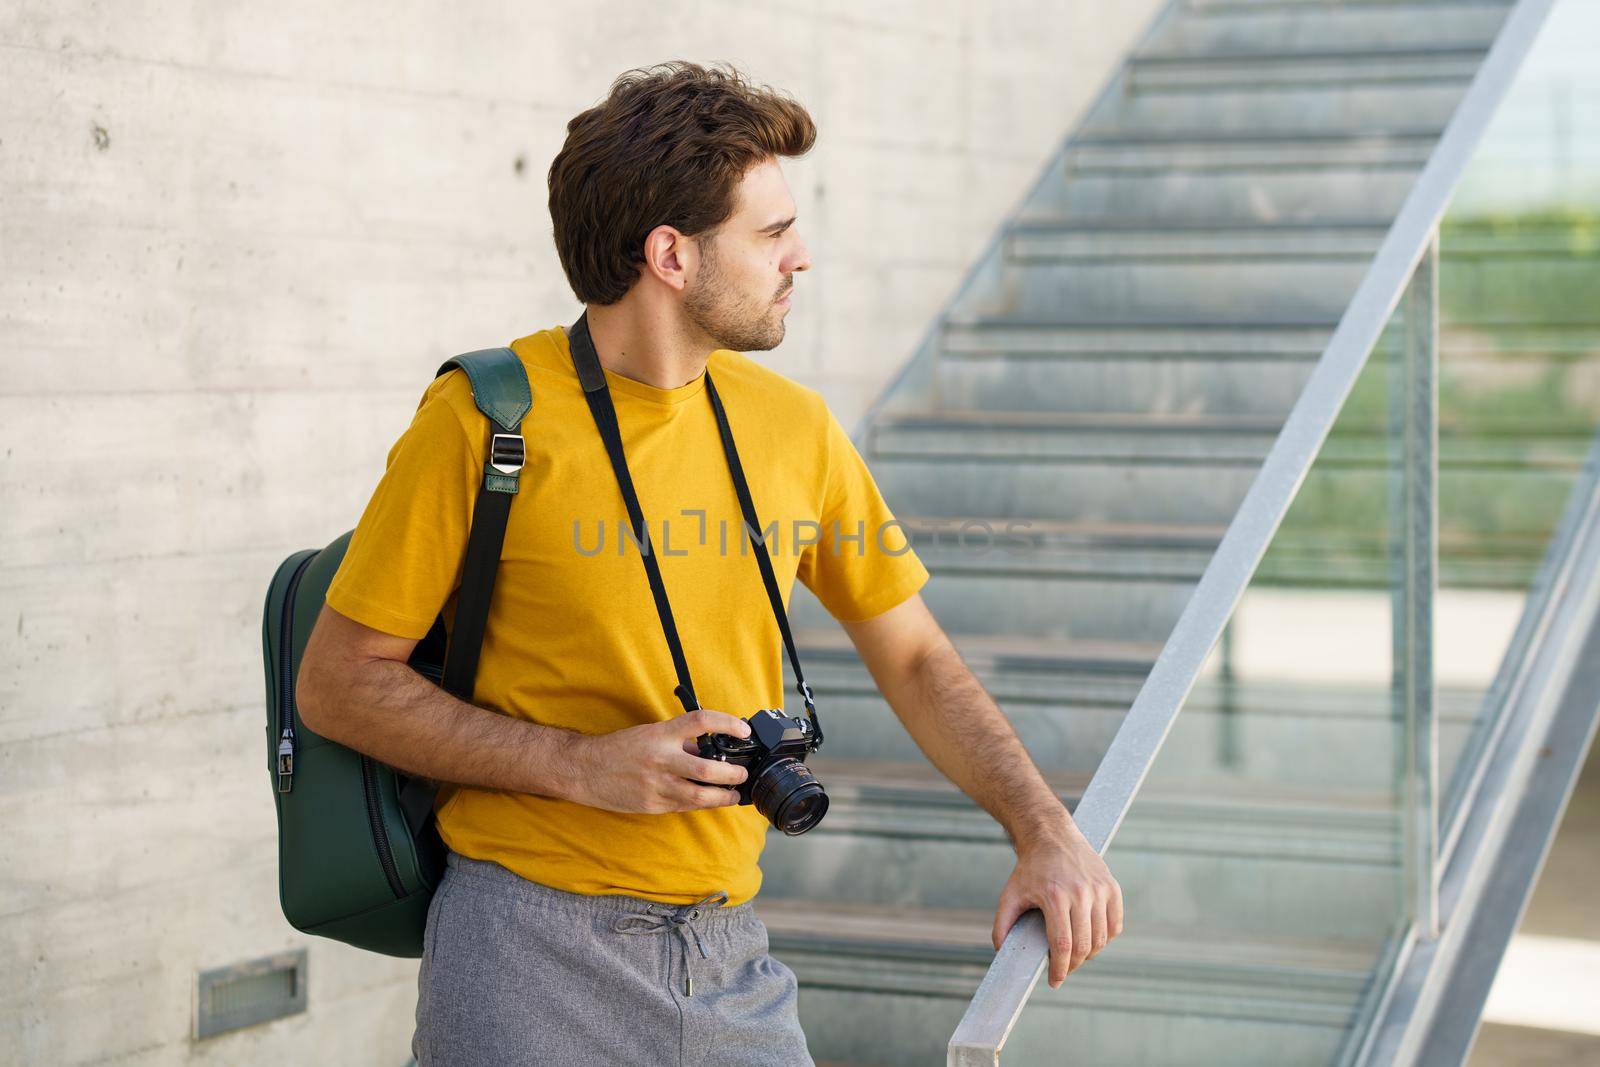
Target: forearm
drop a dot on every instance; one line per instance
(388, 711)
(964, 733)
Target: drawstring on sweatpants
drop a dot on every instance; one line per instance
(679, 921)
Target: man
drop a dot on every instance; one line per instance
(578, 814)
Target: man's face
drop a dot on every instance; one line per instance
(740, 293)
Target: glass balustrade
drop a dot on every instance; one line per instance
(1519, 374)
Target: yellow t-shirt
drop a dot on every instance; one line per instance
(573, 639)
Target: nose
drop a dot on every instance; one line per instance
(801, 259)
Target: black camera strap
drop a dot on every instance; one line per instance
(593, 379)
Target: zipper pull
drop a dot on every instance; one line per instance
(285, 762)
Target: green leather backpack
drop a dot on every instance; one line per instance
(359, 856)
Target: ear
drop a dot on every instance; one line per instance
(669, 256)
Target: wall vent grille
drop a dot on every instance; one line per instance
(245, 994)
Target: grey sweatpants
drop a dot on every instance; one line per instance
(517, 973)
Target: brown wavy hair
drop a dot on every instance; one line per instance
(668, 146)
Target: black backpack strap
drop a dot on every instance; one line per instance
(593, 379)
(501, 391)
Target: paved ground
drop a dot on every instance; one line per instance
(1521, 1046)
(1564, 906)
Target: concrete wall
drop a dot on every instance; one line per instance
(235, 240)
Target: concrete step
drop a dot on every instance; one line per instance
(1010, 365)
(1076, 437)
(887, 985)
(1046, 548)
(1008, 575)
(1051, 241)
(1172, 71)
(1135, 153)
(1335, 188)
(1232, 110)
(1267, 290)
(1258, 861)
(1056, 604)
(1262, 386)
(1002, 575)
(1132, 467)
(1226, 7)
(1132, 484)
(1358, 441)
(1129, 477)
(1224, 290)
(1442, 24)
(1075, 672)
(1003, 364)
(1021, 338)
(1063, 269)
(1244, 731)
(1264, 274)
(1308, 737)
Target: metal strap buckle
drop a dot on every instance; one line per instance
(507, 453)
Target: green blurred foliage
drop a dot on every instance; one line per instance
(1519, 404)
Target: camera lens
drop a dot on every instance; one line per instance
(789, 795)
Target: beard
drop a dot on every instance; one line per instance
(733, 321)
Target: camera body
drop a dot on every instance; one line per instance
(778, 782)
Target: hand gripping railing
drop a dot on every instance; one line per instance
(1016, 968)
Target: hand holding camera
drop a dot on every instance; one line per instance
(654, 769)
(704, 759)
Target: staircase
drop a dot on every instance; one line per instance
(1109, 382)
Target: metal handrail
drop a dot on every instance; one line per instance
(1021, 960)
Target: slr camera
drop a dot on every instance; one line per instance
(779, 784)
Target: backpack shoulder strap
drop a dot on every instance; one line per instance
(501, 391)
(499, 383)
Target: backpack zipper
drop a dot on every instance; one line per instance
(286, 680)
(380, 836)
